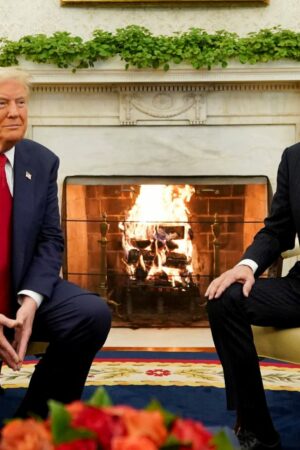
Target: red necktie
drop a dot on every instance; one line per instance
(5, 239)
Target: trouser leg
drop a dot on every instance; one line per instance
(233, 340)
(76, 330)
(272, 302)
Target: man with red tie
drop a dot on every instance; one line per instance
(35, 303)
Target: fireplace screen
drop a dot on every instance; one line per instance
(151, 245)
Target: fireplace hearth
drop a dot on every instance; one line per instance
(151, 245)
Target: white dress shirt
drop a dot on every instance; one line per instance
(10, 155)
(250, 263)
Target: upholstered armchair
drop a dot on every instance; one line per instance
(36, 348)
(282, 344)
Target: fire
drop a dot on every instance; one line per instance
(157, 237)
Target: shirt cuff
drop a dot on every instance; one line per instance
(38, 298)
(250, 263)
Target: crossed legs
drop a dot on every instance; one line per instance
(272, 302)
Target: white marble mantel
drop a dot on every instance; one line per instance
(109, 121)
(113, 71)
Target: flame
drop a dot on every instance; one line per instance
(157, 234)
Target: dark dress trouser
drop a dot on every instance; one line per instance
(272, 302)
(76, 323)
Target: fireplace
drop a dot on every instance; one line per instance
(151, 245)
(214, 130)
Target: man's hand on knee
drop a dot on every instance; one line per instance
(238, 274)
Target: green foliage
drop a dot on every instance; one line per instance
(169, 417)
(221, 441)
(100, 399)
(139, 48)
(61, 428)
(269, 45)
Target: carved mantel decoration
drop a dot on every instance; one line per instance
(162, 105)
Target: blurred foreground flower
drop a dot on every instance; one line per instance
(98, 425)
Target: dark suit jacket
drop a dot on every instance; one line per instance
(283, 223)
(37, 245)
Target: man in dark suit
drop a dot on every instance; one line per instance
(35, 303)
(238, 298)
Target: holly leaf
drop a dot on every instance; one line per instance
(169, 417)
(61, 428)
(100, 398)
(172, 443)
(222, 442)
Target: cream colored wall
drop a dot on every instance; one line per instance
(20, 17)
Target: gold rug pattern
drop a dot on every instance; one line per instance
(163, 373)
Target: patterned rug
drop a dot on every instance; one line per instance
(189, 384)
(163, 369)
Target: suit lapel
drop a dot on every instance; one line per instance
(23, 207)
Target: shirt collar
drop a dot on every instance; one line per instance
(10, 155)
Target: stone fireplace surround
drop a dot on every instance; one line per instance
(108, 121)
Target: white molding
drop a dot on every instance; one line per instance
(113, 72)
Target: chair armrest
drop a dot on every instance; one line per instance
(275, 270)
(290, 253)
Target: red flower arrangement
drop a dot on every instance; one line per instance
(98, 425)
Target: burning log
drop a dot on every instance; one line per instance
(161, 279)
(171, 245)
(148, 256)
(141, 243)
(133, 256)
(171, 232)
(157, 245)
(140, 273)
(176, 260)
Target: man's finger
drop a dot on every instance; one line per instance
(213, 287)
(211, 292)
(223, 287)
(247, 288)
(22, 346)
(10, 323)
(9, 355)
(16, 341)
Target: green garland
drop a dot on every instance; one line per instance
(138, 47)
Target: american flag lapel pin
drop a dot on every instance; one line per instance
(28, 175)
